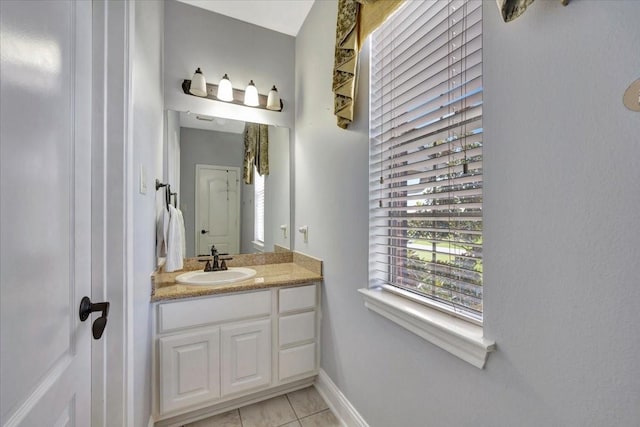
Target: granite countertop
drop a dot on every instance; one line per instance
(292, 269)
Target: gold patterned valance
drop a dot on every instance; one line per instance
(511, 9)
(346, 61)
(373, 13)
(356, 20)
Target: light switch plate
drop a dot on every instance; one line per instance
(143, 179)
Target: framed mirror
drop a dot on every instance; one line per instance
(204, 159)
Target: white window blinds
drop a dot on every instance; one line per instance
(258, 225)
(426, 154)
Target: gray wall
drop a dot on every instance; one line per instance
(171, 150)
(560, 230)
(218, 44)
(147, 122)
(277, 190)
(205, 147)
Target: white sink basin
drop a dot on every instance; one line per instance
(232, 275)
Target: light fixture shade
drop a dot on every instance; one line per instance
(225, 90)
(251, 95)
(273, 100)
(198, 84)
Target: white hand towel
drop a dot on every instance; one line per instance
(174, 242)
(182, 233)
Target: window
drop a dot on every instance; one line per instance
(258, 226)
(426, 155)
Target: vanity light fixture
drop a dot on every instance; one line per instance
(225, 90)
(198, 84)
(273, 100)
(251, 95)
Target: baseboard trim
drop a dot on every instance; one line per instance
(339, 404)
(151, 421)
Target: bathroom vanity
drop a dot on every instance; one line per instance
(216, 348)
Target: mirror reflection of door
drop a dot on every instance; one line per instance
(217, 209)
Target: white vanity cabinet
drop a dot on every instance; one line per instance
(218, 352)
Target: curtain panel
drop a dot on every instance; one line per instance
(256, 151)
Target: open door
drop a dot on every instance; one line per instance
(45, 212)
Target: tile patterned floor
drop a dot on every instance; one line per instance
(302, 408)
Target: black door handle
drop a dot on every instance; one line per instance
(203, 231)
(87, 307)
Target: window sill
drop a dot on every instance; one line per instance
(459, 337)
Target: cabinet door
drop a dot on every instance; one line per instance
(246, 356)
(189, 369)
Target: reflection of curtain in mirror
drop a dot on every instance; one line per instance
(256, 151)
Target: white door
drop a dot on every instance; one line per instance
(45, 196)
(217, 209)
(246, 356)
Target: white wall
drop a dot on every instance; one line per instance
(218, 44)
(147, 123)
(560, 220)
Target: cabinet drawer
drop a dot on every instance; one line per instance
(189, 313)
(300, 298)
(297, 360)
(297, 327)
